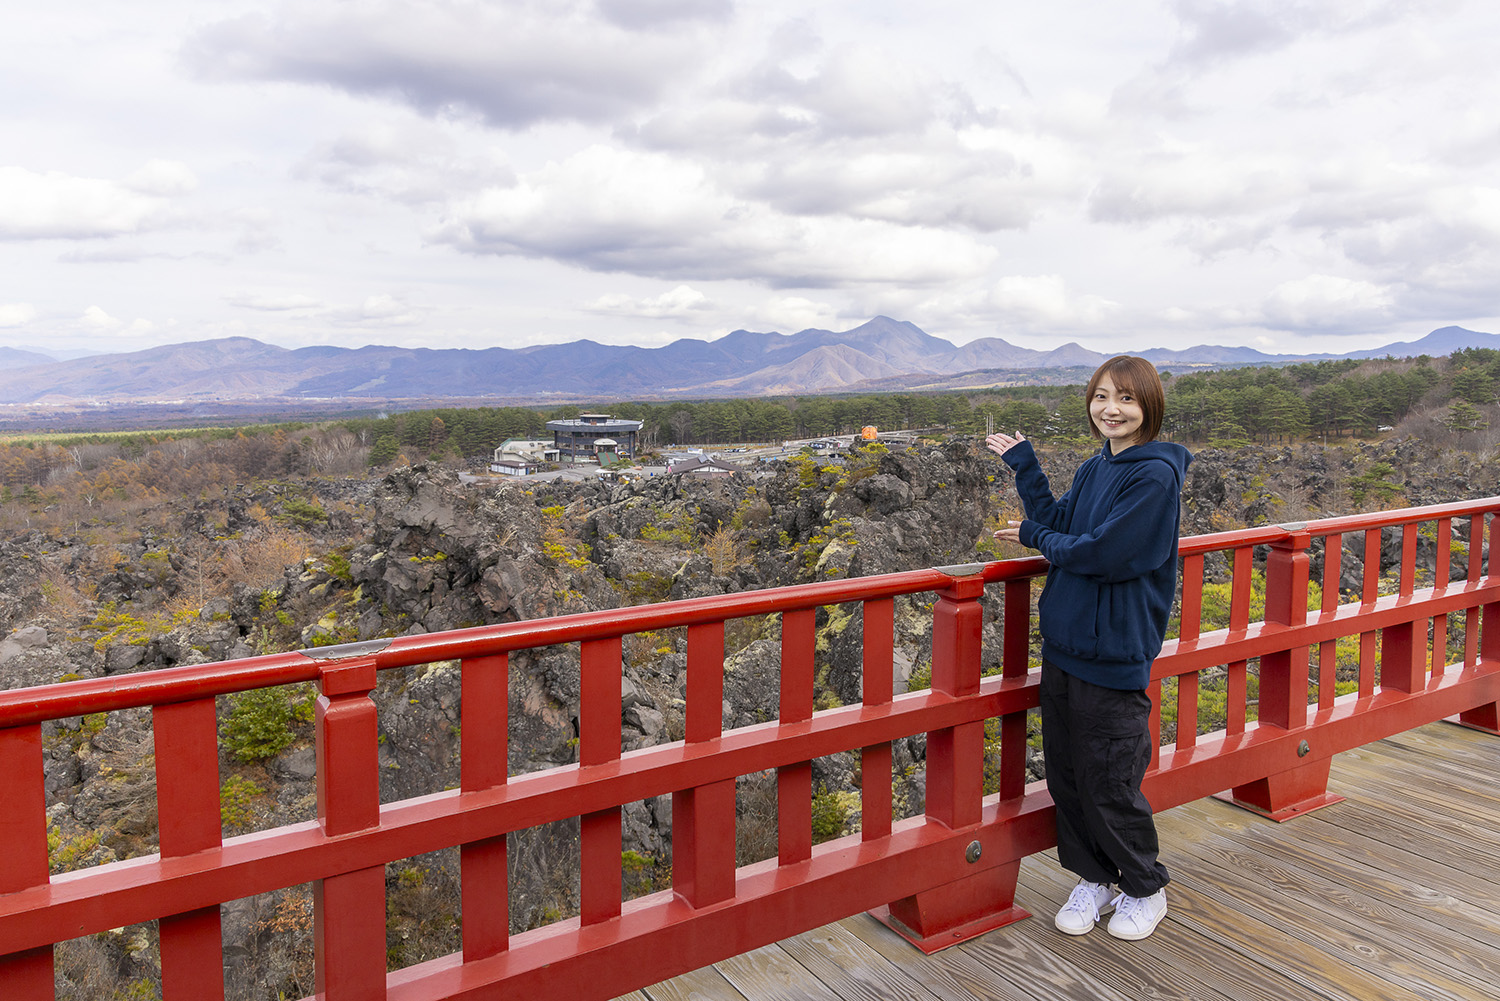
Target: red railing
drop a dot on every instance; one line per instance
(938, 877)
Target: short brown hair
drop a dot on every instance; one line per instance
(1138, 377)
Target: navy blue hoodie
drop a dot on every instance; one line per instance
(1112, 543)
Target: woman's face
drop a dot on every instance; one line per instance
(1116, 414)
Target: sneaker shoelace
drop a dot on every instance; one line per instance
(1126, 905)
(1084, 900)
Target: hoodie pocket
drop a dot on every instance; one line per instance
(1069, 615)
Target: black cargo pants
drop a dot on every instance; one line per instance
(1097, 744)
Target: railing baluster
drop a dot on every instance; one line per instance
(1486, 717)
(1236, 693)
(349, 908)
(1328, 650)
(1190, 624)
(1403, 652)
(598, 744)
(1015, 663)
(1367, 596)
(794, 782)
(27, 975)
(1190, 621)
(187, 807)
(484, 764)
(1187, 710)
(703, 835)
(879, 622)
(1471, 614)
(1442, 567)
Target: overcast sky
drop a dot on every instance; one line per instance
(1288, 175)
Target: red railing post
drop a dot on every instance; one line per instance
(879, 678)
(703, 822)
(1284, 690)
(187, 805)
(600, 841)
(794, 782)
(26, 975)
(970, 905)
(484, 764)
(1486, 716)
(349, 908)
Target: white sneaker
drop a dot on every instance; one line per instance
(1137, 917)
(1085, 904)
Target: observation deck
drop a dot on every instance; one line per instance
(1389, 893)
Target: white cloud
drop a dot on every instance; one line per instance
(790, 314)
(642, 15)
(682, 302)
(515, 62)
(97, 319)
(16, 314)
(163, 178)
(414, 163)
(607, 209)
(1327, 302)
(273, 303)
(381, 310)
(1044, 302)
(52, 205)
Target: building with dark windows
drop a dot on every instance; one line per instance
(581, 438)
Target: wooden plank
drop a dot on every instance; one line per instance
(850, 968)
(1370, 939)
(1326, 883)
(951, 975)
(1458, 744)
(1416, 825)
(1199, 904)
(769, 974)
(1407, 883)
(707, 984)
(1444, 787)
(1173, 949)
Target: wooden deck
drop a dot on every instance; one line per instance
(1393, 895)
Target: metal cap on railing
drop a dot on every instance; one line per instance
(345, 651)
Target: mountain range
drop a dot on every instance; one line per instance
(881, 355)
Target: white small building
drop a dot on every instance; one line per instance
(702, 467)
(522, 456)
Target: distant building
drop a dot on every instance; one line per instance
(580, 438)
(522, 456)
(701, 466)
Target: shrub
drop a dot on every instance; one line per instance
(234, 800)
(259, 724)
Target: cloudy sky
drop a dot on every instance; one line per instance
(1284, 174)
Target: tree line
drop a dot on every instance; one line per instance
(1330, 398)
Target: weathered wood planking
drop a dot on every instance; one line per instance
(1371, 935)
(1174, 952)
(1389, 895)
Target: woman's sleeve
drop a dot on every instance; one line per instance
(1135, 538)
(1032, 485)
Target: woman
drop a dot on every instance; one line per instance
(1112, 543)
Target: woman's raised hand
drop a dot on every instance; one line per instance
(1000, 442)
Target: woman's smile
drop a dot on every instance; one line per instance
(1117, 414)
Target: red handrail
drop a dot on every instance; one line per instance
(937, 877)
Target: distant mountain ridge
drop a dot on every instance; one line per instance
(883, 354)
